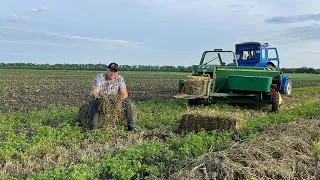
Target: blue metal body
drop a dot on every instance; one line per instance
(283, 83)
(259, 55)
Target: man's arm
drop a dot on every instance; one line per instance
(123, 88)
(124, 93)
(95, 92)
(95, 87)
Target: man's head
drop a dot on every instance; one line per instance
(112, 71)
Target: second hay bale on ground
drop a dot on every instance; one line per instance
(196, 120)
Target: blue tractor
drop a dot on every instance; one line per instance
(261, 55)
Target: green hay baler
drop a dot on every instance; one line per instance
(218, 78)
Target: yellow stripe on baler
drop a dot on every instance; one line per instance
(249, 70)
(199, 78)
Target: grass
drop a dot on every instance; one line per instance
(49, 144)
(156, 158)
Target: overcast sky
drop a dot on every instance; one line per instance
(155, 32)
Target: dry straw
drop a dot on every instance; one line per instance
(281, 152)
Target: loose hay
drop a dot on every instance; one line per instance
(281, 152)
(110, 112)
(196, 120)
(193, 87)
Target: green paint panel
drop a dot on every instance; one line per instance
(222, 74)
(250, 83)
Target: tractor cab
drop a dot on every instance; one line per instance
(257, 54)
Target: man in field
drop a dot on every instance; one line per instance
(110, 82)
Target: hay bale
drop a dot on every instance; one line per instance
(195, 120)
(280, 152)
(110, 112)
(193, 87)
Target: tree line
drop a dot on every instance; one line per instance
(102, 67)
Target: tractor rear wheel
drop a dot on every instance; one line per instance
(270, 64)
(275, 105)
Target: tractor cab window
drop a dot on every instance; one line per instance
(272, 54)
(247, 54)
(218, 58)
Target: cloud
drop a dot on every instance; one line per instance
(42, 9)
(99, 40)
(293, 19)
(310, 32)
(62, 37)
(234, 5)
(26, 42)
(16, 18)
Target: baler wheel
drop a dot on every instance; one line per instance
(195, 102)
(209, 101)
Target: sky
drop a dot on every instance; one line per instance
(155, 32)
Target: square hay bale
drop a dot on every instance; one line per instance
(196, 120)
(193, 87)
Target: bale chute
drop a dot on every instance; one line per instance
(193, 87)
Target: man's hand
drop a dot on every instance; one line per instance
(124, 93)
(95, 92)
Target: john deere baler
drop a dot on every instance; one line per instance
(219, 78)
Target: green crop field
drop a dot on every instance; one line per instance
(40, 137)
(305, 76)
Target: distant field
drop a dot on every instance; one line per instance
(34, 89)
(303, 76)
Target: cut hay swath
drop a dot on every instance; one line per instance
(197, 120)
(281, 152)
(110, 110)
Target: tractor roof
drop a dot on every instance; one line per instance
(252, 43)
